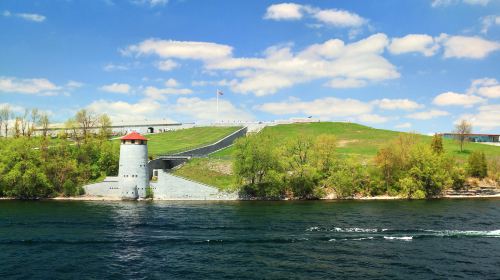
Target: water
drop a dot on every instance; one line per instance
(250, 240)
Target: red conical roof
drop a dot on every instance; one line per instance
(134, 136)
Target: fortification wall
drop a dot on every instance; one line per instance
(171, 187)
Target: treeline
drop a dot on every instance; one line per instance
(307, 168)
(34, 122)
(33, 165)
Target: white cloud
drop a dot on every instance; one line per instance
(25, 16)
(26, 86)
(488, 117)
(403, 125)
(31, 17)
(115, 67)
(427, 115)
(121, 110)
(372, 118)
(284, 11)
(328, 17)
(339, 18)
(346, 83)
(487, 87)
(172, 83)
(166, 65)
(488, 22)
(116, 88)
(467, 47)
(74, 84)
(445, 3)
(151, 3)
(397, 104)
(180, 49)
(205, 110)
(457, 99)
(159, 93)
(421, 43)
(346, 64)
(325, 108)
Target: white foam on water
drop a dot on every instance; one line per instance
(404, 238)
(472, 233)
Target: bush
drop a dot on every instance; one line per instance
(149, 192)
(477, 165)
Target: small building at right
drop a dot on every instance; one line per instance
(474, 137)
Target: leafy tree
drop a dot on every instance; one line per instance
(437, 144)
(104, 126)
(477, 165)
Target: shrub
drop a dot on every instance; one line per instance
(477, 165)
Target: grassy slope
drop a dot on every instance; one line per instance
(185, 139)
(353, 140)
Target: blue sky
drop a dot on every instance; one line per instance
(402, 65)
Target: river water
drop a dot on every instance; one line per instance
(250, 240)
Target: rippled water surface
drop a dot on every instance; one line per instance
(250, 240)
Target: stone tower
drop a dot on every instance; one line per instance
(133, 175)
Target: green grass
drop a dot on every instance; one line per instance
(358, 140)
(212, 172)
(353, 140)
(186, 139)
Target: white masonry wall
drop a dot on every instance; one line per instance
(133, 175)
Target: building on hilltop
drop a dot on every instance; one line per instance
(474, 137)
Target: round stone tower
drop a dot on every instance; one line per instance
(133, 175)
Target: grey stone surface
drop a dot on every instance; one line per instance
(107, 188)
(171, 187)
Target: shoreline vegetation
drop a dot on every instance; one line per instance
(284, 162)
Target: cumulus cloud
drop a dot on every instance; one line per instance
(346, 65)
(284, 11)
(159, 93)
(325, 108)
(421, 43)
(372, 118)
(346, 83)
(489, 21)
(403, 125)
(25, 16)
(445, 3)
(328, 17)
(397, 104)
(166, 65)
(74, 84)
(115, 67)
(457, 99)
(180, 49)
(150, 3)
(121, 110)
(27, 86)
(205, 110)
(427, 115)
(116, 88)
(486, 118)
(172, 83)
(467, 47)
(487, 87)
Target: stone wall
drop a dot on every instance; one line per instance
(171, 187)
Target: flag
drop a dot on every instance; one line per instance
(219, 92)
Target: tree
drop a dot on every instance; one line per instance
(87, 121)
(23, 122)
(5, 114)
(44, 122)
(104, 126)
(71, 127)
(35, 116)
(461, 130)
(437, 144)
(477, 165)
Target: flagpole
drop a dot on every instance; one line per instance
(217, 97)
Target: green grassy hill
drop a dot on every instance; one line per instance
(352, 140)
(186, 139)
